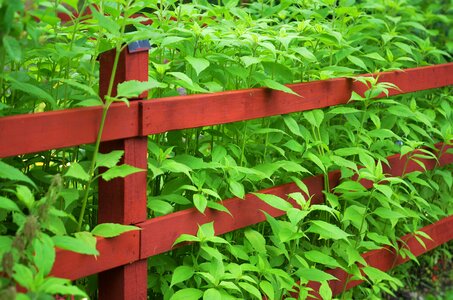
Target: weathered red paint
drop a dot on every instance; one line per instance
(123, 200)
(174, 113)
(159, 234)
(113, 252)
(22, 134)
(386, 258)
(131, 66)
(59, 129)
(125, 282)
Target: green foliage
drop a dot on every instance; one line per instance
(199, 47)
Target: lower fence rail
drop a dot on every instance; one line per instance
(157, 235)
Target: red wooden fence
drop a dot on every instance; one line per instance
(122, 263)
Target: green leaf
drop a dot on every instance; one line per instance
(327, 230)
(5, 243)
(350, 186)
(198, 64)
(76, 171)
(236, 188)
(375, 56)
(321, 258)
(317, 161)
(176, 167)
(83, 87)
(358, 62)
(109, 160)
(133, 88)
(218, 206)
(324, 291)
(23, 276)
(387, 213)
(268, 289)
(186, 238)
(11, 173)
(256, 240)
(109, 230)
(183, 77)
(250, 289)
(58, 289)
(74, 245)
(181, 274)
(187, 294)
(378, 238)
(304, 52)
(314, 275)
(275, 201)
(169, 40)
(212, 294)
(406, 48)
(87, 237)
(354, 214)
(250, 60)
(25, 196)
(292, 125)
(44, 254)
(33, 90)
(106, 22)
(12, 48)
(314, 117)
(8, 205)
(120, 171)
(160, 207)
(206, 230)
(200, 202)
(272, 84)
(342, 110)
(376, 275)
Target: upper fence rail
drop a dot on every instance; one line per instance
(23, 134)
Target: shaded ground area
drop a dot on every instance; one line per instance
(432, 279)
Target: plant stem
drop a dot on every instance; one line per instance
(105, 108)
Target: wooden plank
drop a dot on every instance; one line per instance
(123, 200)
(113, 252)
(31, 133)
(58, 129)
(125, 282)
(173, 113)
(386, 258)
(158, 234)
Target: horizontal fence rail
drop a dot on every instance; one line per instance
(158, 234)
(122, 260)
(58, 129)
(387, 258)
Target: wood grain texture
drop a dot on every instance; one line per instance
(113, 252)
(125, 283)
(131, 66)
(159, 234)
(123, 200)
(31, 133)
(174, 113)
(65, 128)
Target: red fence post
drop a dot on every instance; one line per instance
(123, 200)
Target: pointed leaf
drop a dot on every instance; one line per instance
(109, 230)
(120, 171)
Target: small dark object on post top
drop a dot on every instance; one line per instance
(138, 46)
